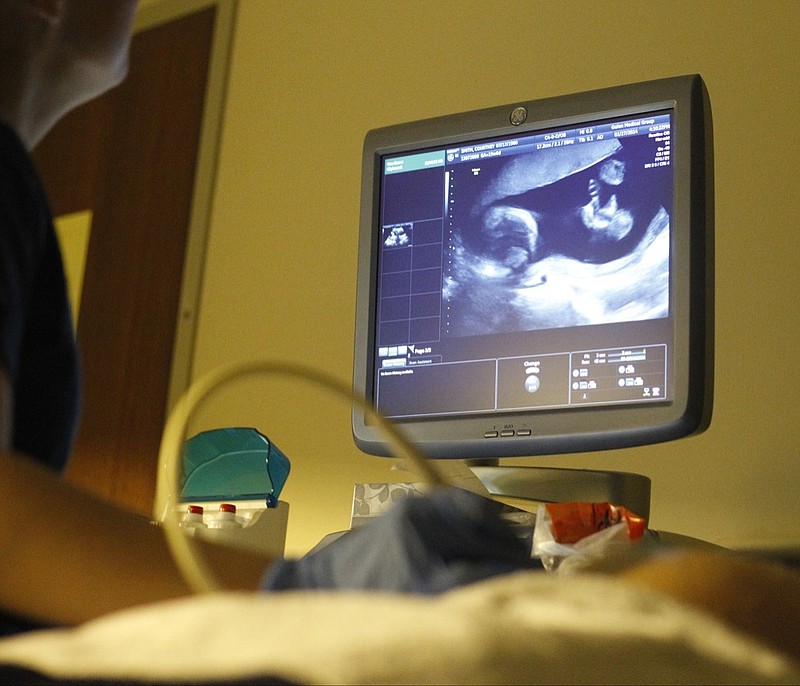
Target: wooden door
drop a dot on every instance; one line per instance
(130, 157)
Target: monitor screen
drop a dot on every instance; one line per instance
(537, 278)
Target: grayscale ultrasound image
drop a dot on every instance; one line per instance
(568, 236)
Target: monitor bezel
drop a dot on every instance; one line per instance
(691, 282)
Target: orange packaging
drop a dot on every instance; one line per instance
(570, 522)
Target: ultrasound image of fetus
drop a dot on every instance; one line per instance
(574, 236)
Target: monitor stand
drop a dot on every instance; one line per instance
(552, 484)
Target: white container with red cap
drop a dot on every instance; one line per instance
(225, 518)
(193, 517)
(248, 524)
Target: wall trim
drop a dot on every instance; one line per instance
(152, 13)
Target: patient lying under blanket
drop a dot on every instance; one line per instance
(440, 590)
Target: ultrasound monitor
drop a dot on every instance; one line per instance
(537, 278)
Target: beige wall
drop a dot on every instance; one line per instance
(309, 79)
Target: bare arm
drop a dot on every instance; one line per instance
(66, 556)
(755, 596)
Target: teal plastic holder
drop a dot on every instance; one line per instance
(232, 464)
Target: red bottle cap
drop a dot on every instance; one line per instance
(227, 507)
(195, 509)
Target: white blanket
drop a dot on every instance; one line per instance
(525, 628)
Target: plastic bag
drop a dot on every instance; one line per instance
(572, 536)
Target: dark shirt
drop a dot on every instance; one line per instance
(37, 343)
